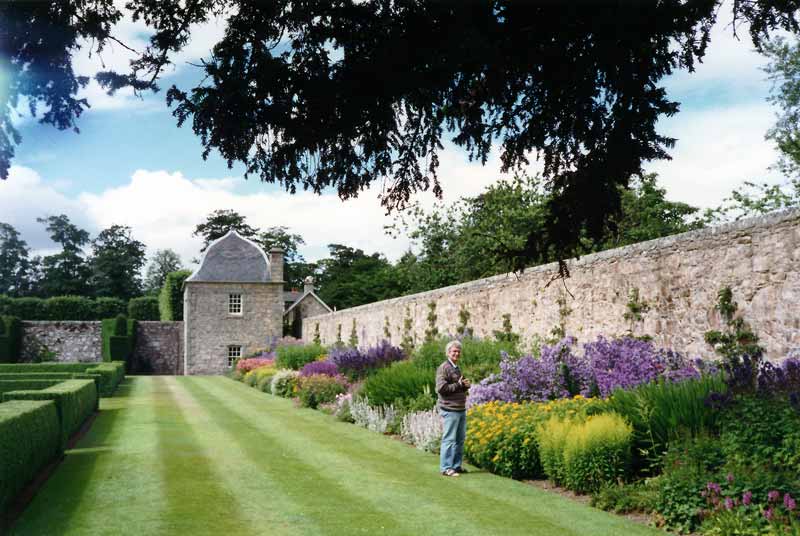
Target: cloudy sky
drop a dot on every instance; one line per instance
(131, 165)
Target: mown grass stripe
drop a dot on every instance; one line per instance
(112, 465)
(322, 500)
(407, 477)
(196, 499)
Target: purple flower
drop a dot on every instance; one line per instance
(356, 363)
(773, 495)
(714, 488)
(769, 514)
(747, 498)
(729, 478)
(327, 368)
(789, 503)
(729, 504)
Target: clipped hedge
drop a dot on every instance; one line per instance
(144, 308)
(10, 339)
(76, 400)
(106, 375)
(45, 367)
(8, 385)
(62, 308)
(170, 300)
(117, 346)
(30, 437)
(111, 374)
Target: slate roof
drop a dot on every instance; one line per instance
(303, 297)
(292, 296)
(232, 259)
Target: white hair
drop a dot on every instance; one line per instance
(452, 344)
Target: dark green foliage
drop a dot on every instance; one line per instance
(108, 308)
(626, 498)
(407, 341)
(7, 384)
(317, 338)
(398, 382)
(111, 374)
(144, 308)
(118, 339)
(30, 437)
(164, 261)
(11, 340)
(296, 356)
(463, 328)
(65, 273)
(75, 400)
(28, 308)
(739, 339)
(479, 357)
(2, 326)
(319, 389)
(69, 308)
(663, 411)
(217, 225)
(44, 367)
(120, 326)
(349, 277)
(387, 331)
(784, 72)
(170, 300)
(14, 263)
(117, 259)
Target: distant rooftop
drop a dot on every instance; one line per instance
(232, 259)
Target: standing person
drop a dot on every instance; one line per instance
(451, 388)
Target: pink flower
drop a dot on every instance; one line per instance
(768, 514)
(729, 478)
(747, 498)
(729, 504)
(789, 503)
(773, 495)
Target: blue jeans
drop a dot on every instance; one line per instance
(455, 430)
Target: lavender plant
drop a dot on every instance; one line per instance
(328, 368)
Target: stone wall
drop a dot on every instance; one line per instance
(678, 276)
(71, 341)
(209, 329)
(159, 348)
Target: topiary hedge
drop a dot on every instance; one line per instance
(62, 308)
(170, 300)
(107, 375)
(76, 400)
(22, 384)
(10, 339)
(45, 367)
(118, 339)
(144, 308)
(111, 374)
(30, 437)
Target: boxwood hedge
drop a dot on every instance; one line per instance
(10, 339)
(8, 385)
(76, 400)
(107, 375)
(30, 437)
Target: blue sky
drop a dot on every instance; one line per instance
(131, 165)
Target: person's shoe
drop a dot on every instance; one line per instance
(461, 470)
(449, 472)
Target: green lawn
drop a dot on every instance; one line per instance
(207, 455)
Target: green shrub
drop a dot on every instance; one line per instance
(69, 308)
(475, 353)
(108, 308)
(663, 411)
(296, 356)
(597, 452)
(8, 385)
(120, 326)
(319, 389)
(552, 437)
(144, 308)
(76, 400)
(111, 374)
(250, 378)
(264, 377)
(118, 339)
(30, 436)
(45, 367)
(28, 309)
(11, 340)
(170, 299)
(626, 498)
(284, 382)
(400, 381)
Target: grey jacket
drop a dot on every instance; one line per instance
(452, 394)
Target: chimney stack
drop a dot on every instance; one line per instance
(276, 264)
(308, 285)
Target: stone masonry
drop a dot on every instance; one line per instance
(210, 329)
(71, 341)
(159, 348)
(678, 276)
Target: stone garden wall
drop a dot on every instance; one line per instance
(158, 348)
(71, 341)
(677, 276)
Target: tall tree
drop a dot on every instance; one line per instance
(66, 272)
(219, 222)
(14, 262)
(117, 259)
(290, 89)
(295, 268)
(164, 261)
(349, 277)
(783, 71)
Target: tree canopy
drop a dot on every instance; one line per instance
(342, 93)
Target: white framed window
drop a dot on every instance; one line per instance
(234, 304)
(234, 353)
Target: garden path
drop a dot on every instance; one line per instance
(207, 455)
